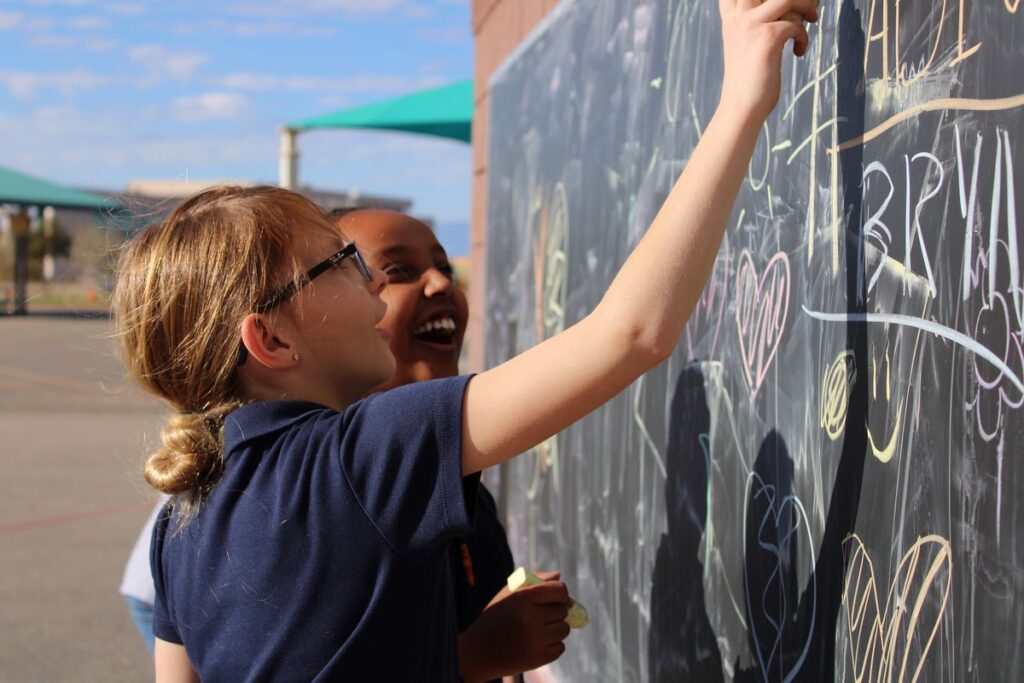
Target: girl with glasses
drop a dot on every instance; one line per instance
(308, 534)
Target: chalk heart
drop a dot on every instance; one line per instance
(782, 525)
(706, 318)
(762, 304)
(892, 644)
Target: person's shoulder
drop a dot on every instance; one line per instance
(409, 398)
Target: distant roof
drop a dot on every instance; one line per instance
(19, 188)
(329, 200)
(179, 188)
(446, 112)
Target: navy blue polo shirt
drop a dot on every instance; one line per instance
(321, 553)
(489, 561)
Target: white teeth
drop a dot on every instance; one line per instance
(438, 324)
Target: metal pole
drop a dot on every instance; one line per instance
(21, 229)
(49, 228)
(288, 171)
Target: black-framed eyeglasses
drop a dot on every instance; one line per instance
(289, 290)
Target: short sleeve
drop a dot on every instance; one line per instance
(163, 625)
(402, 458)
(137, 580)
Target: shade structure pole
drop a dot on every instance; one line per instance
(21, 226)
(288, 172)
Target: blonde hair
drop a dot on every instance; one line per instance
(183, 288)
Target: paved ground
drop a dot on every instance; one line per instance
(73, 434)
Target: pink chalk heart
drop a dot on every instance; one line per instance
(762, 304)
(706, 318)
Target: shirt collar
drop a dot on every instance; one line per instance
(264, 417)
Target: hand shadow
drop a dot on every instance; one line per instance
(682, 645)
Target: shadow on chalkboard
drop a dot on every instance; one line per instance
(682, 644)
(790, 639)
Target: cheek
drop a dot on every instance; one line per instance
(462, 306)
(401, 309)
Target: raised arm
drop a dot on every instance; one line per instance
(637, 324)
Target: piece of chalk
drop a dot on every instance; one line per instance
(577, 617)
(520, 577)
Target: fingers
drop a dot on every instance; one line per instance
(788, 30)
(786, 10)
(554, 651)
(548, 575)
(547, 615)
(558, 630)
(547, 593)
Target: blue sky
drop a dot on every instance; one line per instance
(96, 93)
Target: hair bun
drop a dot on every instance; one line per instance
(191, 453)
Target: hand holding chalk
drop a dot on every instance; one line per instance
(577, 616)
(518, 631)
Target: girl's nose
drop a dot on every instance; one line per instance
(437, 283)
(379, 281)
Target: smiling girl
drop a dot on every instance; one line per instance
(426, 320)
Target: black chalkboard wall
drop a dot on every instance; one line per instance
(824, 482)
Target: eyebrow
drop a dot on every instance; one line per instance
(398, 250)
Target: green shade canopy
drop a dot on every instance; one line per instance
(446, 112)
(18, 188)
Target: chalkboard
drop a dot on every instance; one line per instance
(823, 483)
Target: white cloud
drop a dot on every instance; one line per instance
(160, 62)
(89, 23)
(34, 24)
(362, 83)
(274, 9)
(67, 42)
(9, 20)
(252, 29)
(211, 105)
(419, 11)
(451, 35)
(24, 85)
(25, 24)
(125, 9)
(60, 3)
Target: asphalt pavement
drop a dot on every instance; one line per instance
(74, 432)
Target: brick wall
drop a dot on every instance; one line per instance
(499, 26)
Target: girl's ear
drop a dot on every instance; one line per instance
(268, 342)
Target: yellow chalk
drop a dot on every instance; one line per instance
(577, 617)
(520, 577)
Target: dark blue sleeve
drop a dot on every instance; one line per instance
(402, 458)
(163, 625)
